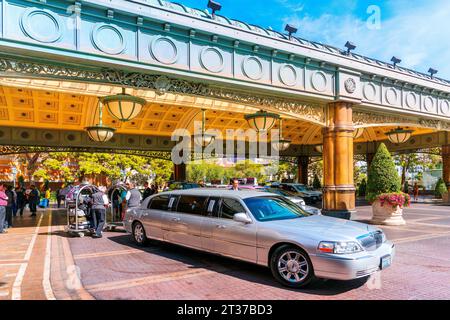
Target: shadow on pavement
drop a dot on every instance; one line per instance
(235, 268)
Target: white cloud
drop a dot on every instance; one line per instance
(416, 34)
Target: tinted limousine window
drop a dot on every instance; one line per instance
(230, 207)
(160, 203)
(192, 205)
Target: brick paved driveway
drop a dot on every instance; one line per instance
(113, 268)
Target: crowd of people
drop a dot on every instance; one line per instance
(13, 202)
(123, 198)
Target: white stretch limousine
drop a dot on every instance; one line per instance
(263, 228)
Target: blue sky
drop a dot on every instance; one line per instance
(417, 31)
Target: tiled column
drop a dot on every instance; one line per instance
(302, 174)
(446, 165)
(339, 189)
(180, 172)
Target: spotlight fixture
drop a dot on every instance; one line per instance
(350, 46)
(291, 30)
(214, 6)
(432, 72)
(396, 61)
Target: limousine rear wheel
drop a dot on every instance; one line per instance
(292, 267)
(139, 235)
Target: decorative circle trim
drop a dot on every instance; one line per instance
(428, 104)
(389, 99)
(367, 96)
(247, 72)
(154, 46)
(205, 65)
(350, 85)
(445, 107)
(282, 76)
(102, 26)
(316, 85)
(411, 104)
(29, 30)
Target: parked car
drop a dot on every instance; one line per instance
(287, 194)
(265, 229)
(184, 186)
(294, 198)
(310, 196)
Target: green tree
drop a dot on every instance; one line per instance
(383, 176)
(162, 169)
(362, 188)
(316, 182)
(315, 168)
(441, 188)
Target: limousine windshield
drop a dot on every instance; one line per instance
(273, 208)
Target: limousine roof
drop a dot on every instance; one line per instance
(242, 194)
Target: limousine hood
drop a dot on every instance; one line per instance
(324, 228)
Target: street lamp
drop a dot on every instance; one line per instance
(124, 107)
(399, 135)
(262, 121)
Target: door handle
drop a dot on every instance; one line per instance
(176, 219)
(219, 226)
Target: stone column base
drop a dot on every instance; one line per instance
(341, 214)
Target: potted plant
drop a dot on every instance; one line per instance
(384, 190)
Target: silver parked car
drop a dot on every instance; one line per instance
(265, 229)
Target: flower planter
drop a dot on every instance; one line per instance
(387, 214)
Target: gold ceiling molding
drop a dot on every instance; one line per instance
(162, 85)
(369, 119)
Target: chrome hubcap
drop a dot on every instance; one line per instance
(293, 266)
(138, 233)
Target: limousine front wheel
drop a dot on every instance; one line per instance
(139, 235)
(292, 267)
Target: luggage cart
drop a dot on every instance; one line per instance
(115, 217)
(78, 218)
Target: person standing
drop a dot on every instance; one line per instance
(133, 197)
(33, 200)
(20, 200)
(59, 197)
(235, 186)
(3, 203)
(147, 191)
(14, 204)
(416, 192)
(9, 206)
(47, 196)
(99, 204)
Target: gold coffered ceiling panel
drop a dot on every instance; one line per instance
(71, 106)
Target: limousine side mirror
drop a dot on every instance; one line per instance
(242, 217)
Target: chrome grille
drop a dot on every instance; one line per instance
(371, 241)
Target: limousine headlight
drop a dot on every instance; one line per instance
(339, 247)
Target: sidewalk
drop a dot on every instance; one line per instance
(35, 260)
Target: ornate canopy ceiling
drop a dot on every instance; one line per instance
(71, 106)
